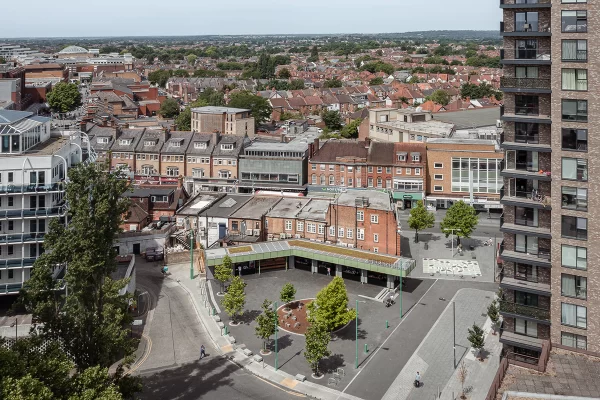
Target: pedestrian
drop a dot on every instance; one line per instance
(240, 271)
(328, 271)
(418, 379)
(202, 352)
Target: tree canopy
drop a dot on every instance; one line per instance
(473, 91)
(235, 298)
(169, 108)
(317, 342)
(160, 77)
(331, 306)
(64, 97)
(460, 220)
(376, 81)
(288, 291)
(266, 322)
(332, 83)
(350, 130)
(259, 106)
(440, 97)
(420, 219)
(285, 73)
(224, 272)
(332, 119)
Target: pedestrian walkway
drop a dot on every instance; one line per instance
(203, 299)
(434, 357)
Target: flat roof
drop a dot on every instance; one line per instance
(219, 110)
(378, 200)
(46, 148)
(256, 207)
(288, 207)
(200, 202)
(316, 210)
(469, 119)
(376, 262)
(145, 192)
(432, 127)
(487, 142)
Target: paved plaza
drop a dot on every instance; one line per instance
(451, 267)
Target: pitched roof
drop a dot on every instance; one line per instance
(334, 148)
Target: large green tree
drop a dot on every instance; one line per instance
(376, 81)
(160, 77)
(85, 310)
(224, 272)
(460, 220)
(183, 122)
(314, 55)
(266, 322)
(169, 108)
(440, 97)
(191, 59)
(332, 83)
(259, 106)
(317, 342)
(350, 130)
(420, 219)
(331, 306)
(296, 84)
(64, 97)
(332, 119)
(235, 298)
(288, 292)
(284, 73)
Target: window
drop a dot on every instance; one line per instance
(197, 173)
(574, 139)
(407, 171)
(360, 234)
(526, 21)
(350, 182)
(574, 50)
(199, 145)
(388, 183)
(332, 231)
(11, 201)
(438, 188)
(574, 227)
(300, 226)
(575, 110)
(228, 146)
(358, 168)
(416, 157)
(574, 257)
(574, 21)
(573, 1)
(375, 249)
(526, 72)
(341, 232)
(322, 167)
(438, 177)
(526, 49)
(321, 229)
(573, 340)
(322, 180)
(11, 177)
(376, 237)
(374, 218)
(331, 167)
(379, 182)
(417, 171)
(10, 273)
(313, 179)
(399, 171)
(172, 171)
(102, 140)
(360, 215)
(388, 170)
(124, 142)
(573, 315)
(331, 180)
(358, 182)
(573, 286)
(370, 182)
(11, 251)
(288, 225)
(350, 233)
(313, 167)
(311, 228)
(11, 225)
(574, 169)
(438, 165)
(401, 157)
(224, 174)
(574, 79)
(369, 169)
(574, 198)
(342, 183)
(379, 170)
(342, 169)
(527, 328)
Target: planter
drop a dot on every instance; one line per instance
(231, 323)
(220, 294)
(317, 376)
(265, 352)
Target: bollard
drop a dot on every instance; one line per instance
(226, 330)
(366, 348)
(214, 311)
(387, 324)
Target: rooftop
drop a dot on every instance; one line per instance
(72, 50)
(378, 200)
(146, 192)
(288, 207)
(46, 148)
(256, 207)
(200, 202)
(228, 205)
(11, 116)
(316, 210)
(218, 110)
(469, 119)
(426, 127)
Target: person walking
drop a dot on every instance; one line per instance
(418, 379)
(328, 271)
(202, 352)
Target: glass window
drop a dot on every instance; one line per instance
(573, 315)
(574, 257)
(574, 21)
(438, 165)
(572, 1)
(438, 188)
(524, 327)
(526, 22)
(574, 139)
(574, 227)
(299, 226)
(288, 225)
(360, 215)
(332, 231)
(526, 132)
(526, 49)
(573, 286)
(574, 198)
(574, 79)
(574, 169)
(575, 110)
(574, 50)
(374, 218)
(573, 340)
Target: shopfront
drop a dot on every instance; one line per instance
(407, 200)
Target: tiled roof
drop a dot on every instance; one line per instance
(334, 148)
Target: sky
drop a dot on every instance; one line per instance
(79, 18)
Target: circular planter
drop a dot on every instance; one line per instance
(265, 353)
(317, 376)
(220, 294)
(286, 309)
(231, 323)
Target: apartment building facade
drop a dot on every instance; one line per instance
(550, 105)
(230, 121)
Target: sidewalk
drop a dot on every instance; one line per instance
(434, 357)
(234, 351)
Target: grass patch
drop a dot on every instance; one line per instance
(241, 249)
(342, 251)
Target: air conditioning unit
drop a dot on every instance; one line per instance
(282, 236)
(288, 235)
(328, 241)
(248, 232)
(270, 236)
(298, 236)
(257, 232)
(320, 240)
(343, 244)
(351, 246)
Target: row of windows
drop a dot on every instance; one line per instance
(370, 168)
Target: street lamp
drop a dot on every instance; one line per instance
(191, 248)
(356, 358)
(452, 239)
(276, 337)
(16, 329)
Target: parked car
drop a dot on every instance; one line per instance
(154, 254)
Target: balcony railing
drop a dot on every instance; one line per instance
(530, 139)
(528, 311)
(524, 83)
(17, 262)
(520, 357)
(525, 222)
(10, 288)
(22, 237)
(542, 252)
(502, 2)
(40, 212)
(17, 189)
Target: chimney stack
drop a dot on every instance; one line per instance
(367, 142)
(215, 137)
(316, 146)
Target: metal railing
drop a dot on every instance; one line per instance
(40, 212)
(10, 288)
(542, 252)
(529, 311)
(17, 262)
(524, 83)
(525, 1)
(19, 189)
(509, 355)
(22, 237)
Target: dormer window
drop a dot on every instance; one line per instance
(124, 142)
(416, 157)
(227, 146)
(149, 142)
(401, 157)
(102, 140)
(176, 144)
(200, 145)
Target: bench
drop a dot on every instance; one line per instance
(231, 339)
(257, 358)
(221, 325)
(217, 318)
(297, 325)
(247, 352)
(300, 377)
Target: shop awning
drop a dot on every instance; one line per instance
(408, 196)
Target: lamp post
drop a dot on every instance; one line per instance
(276, 337)
(452, 239)
(191, 253)
(356, 358)
(15, 324)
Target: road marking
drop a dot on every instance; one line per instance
(289, 383)
(388, 338)
(144, 357)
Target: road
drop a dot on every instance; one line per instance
(172, 369)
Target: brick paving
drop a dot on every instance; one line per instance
(567, 374)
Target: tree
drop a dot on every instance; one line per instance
(169, 108)
(477, 339)
(64, 97)
(184, 120)
(159, 77)
(440, 97)
(317, 342)
(285, 73)
(288, 291)
(92, 321)
(297, 84)
(332, 83)
(259, 106)
(462, 377)
(460, 220)
(314, 55)
(331, 306)
(181, 73)
(420, 219)
(266, 322)
(376, 81)
(165, 58)
(332, 119)
(235, 298)
(350, 131)
(191, 59)
(2, 60)
(494, 313)
(224, 272)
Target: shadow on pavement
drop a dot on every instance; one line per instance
(409, 285)
(249, 316)
(332, 363)
(349, 331)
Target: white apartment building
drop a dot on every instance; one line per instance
(33, 170)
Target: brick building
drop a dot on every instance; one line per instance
(230, 121)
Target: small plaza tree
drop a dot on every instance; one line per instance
(476, 339)
(235, 298)
(460, 220)
(224, 272)
(266, 322)
(317, 342)
(331, 306)
(463, 372)
(287, 294)
(493, 312)
(420, 219)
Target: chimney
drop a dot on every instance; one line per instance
(215, 137)
(311, 150)
(316, 146)
(118, 131)
(180, 182)
(367, 142)
(83, 126)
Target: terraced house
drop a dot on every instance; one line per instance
(549, 251)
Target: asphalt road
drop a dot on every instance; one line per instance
(172, 369)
